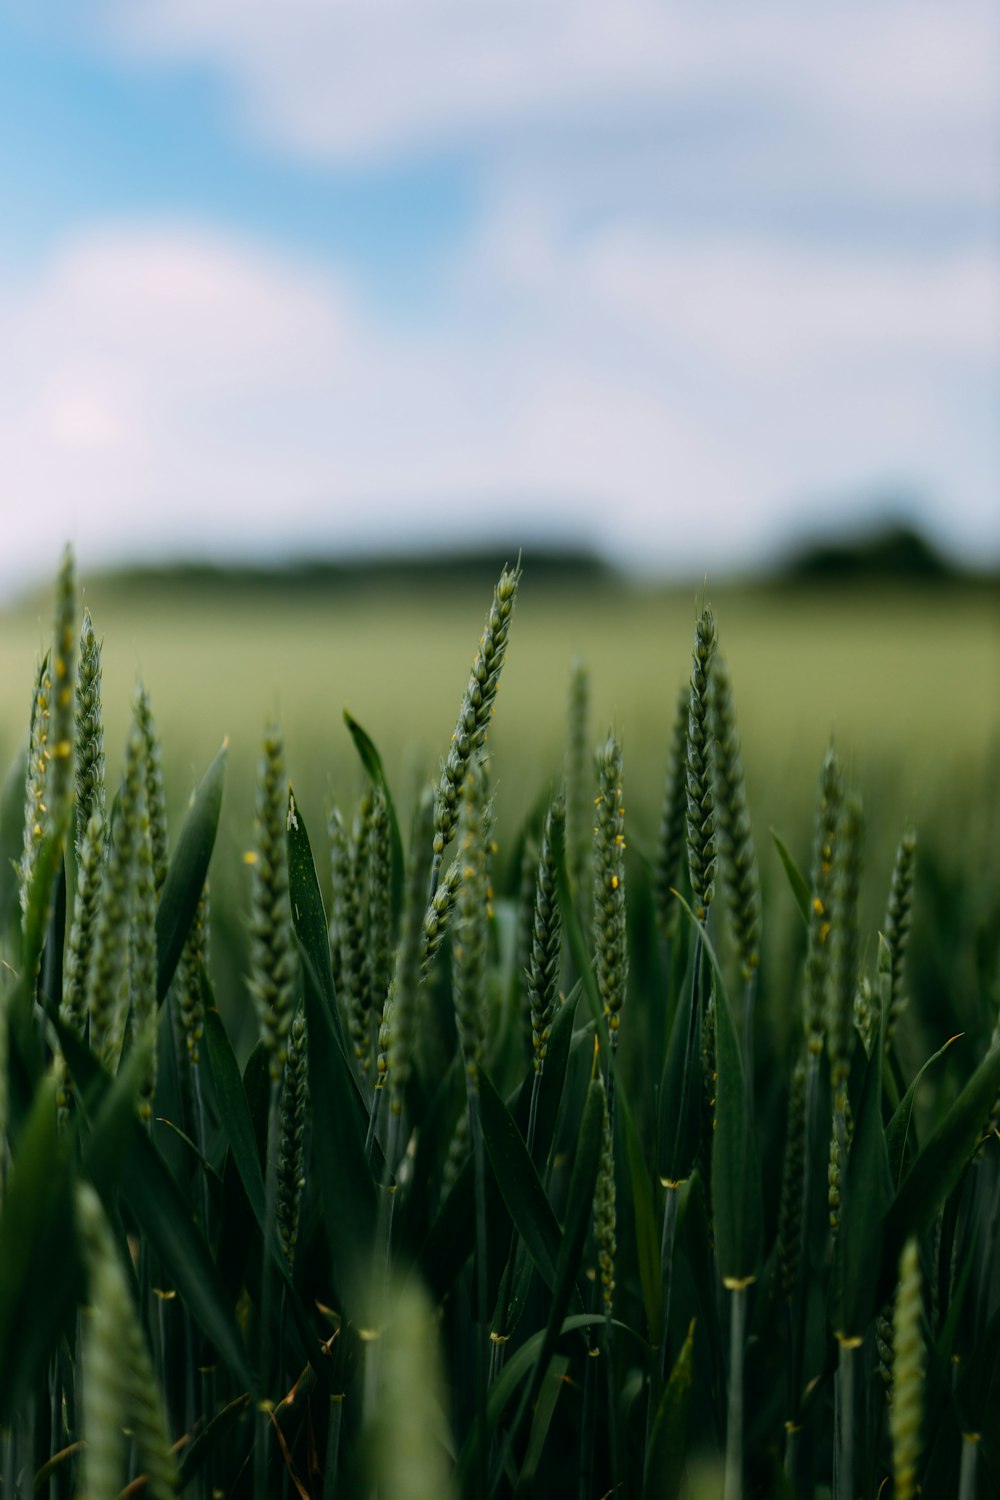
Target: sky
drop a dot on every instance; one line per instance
(685, 283)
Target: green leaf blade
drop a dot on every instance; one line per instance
(186, 873)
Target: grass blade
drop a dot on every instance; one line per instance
(939, 1165)
(39, 1267)
(799, 885)
(233, 1109)
(578, 1211)
(186, 873)
(898, 1127)
(667, 1446)
(163, 1214)
(345, 1183)
(519, 1182)
(309, 918)
(372, 762)
(865, 1195)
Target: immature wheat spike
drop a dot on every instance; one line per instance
(36, 784)
(91, 791)
(457, 1154)
(609, 885)
(188, 992)
(580, 791)
(792, 1179)
(907, 1375)
(293, 1106)
(474, 714)
(60, 744)
(142, 940)
(525, 923)
(470, 937)
(817, 965)
(271, 941)
(673, 820)
(408, 974)
(897, 924)
(865, 1014)
(739, 861)
(379, 887)
(82, 933)
(844, 945)
(701, 842)
(119, 1388)
(438, 915)
(385, 1036)
(354, 972)
(835, 1171)
(546, 939)
(156, 799)
(339, 882)
(108, 969)
(605, 1223)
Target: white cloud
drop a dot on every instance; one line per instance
(168, 389)
(910, 86)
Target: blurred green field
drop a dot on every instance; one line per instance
(904, 679)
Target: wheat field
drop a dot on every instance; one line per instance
(404, 1105)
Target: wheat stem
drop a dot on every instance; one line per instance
(734, 1423)
(967, 1472)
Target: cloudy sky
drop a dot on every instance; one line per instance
(678, 280)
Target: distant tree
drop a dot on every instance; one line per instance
(896, 551)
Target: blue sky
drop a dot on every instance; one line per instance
(683, 282)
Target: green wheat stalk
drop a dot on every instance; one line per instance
(469, 972)
(409, 971)
(91, 789)
(35, 799)
(379, 888)
(670, 845)
(525, 923)
(907, 1375)
(897, 924)
(156, 800)
(271, 983)
(738, 859)
(62, 726)
(544, 954)
(272, 952)
(142, 958)
(611, 968)
(107, 973)
(474, 715)
(843, 979)
(119, 1388)
(292, 1114)
(580, 791)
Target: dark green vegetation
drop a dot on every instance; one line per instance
(542, 1139)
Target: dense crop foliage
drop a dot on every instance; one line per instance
(545, 1172)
